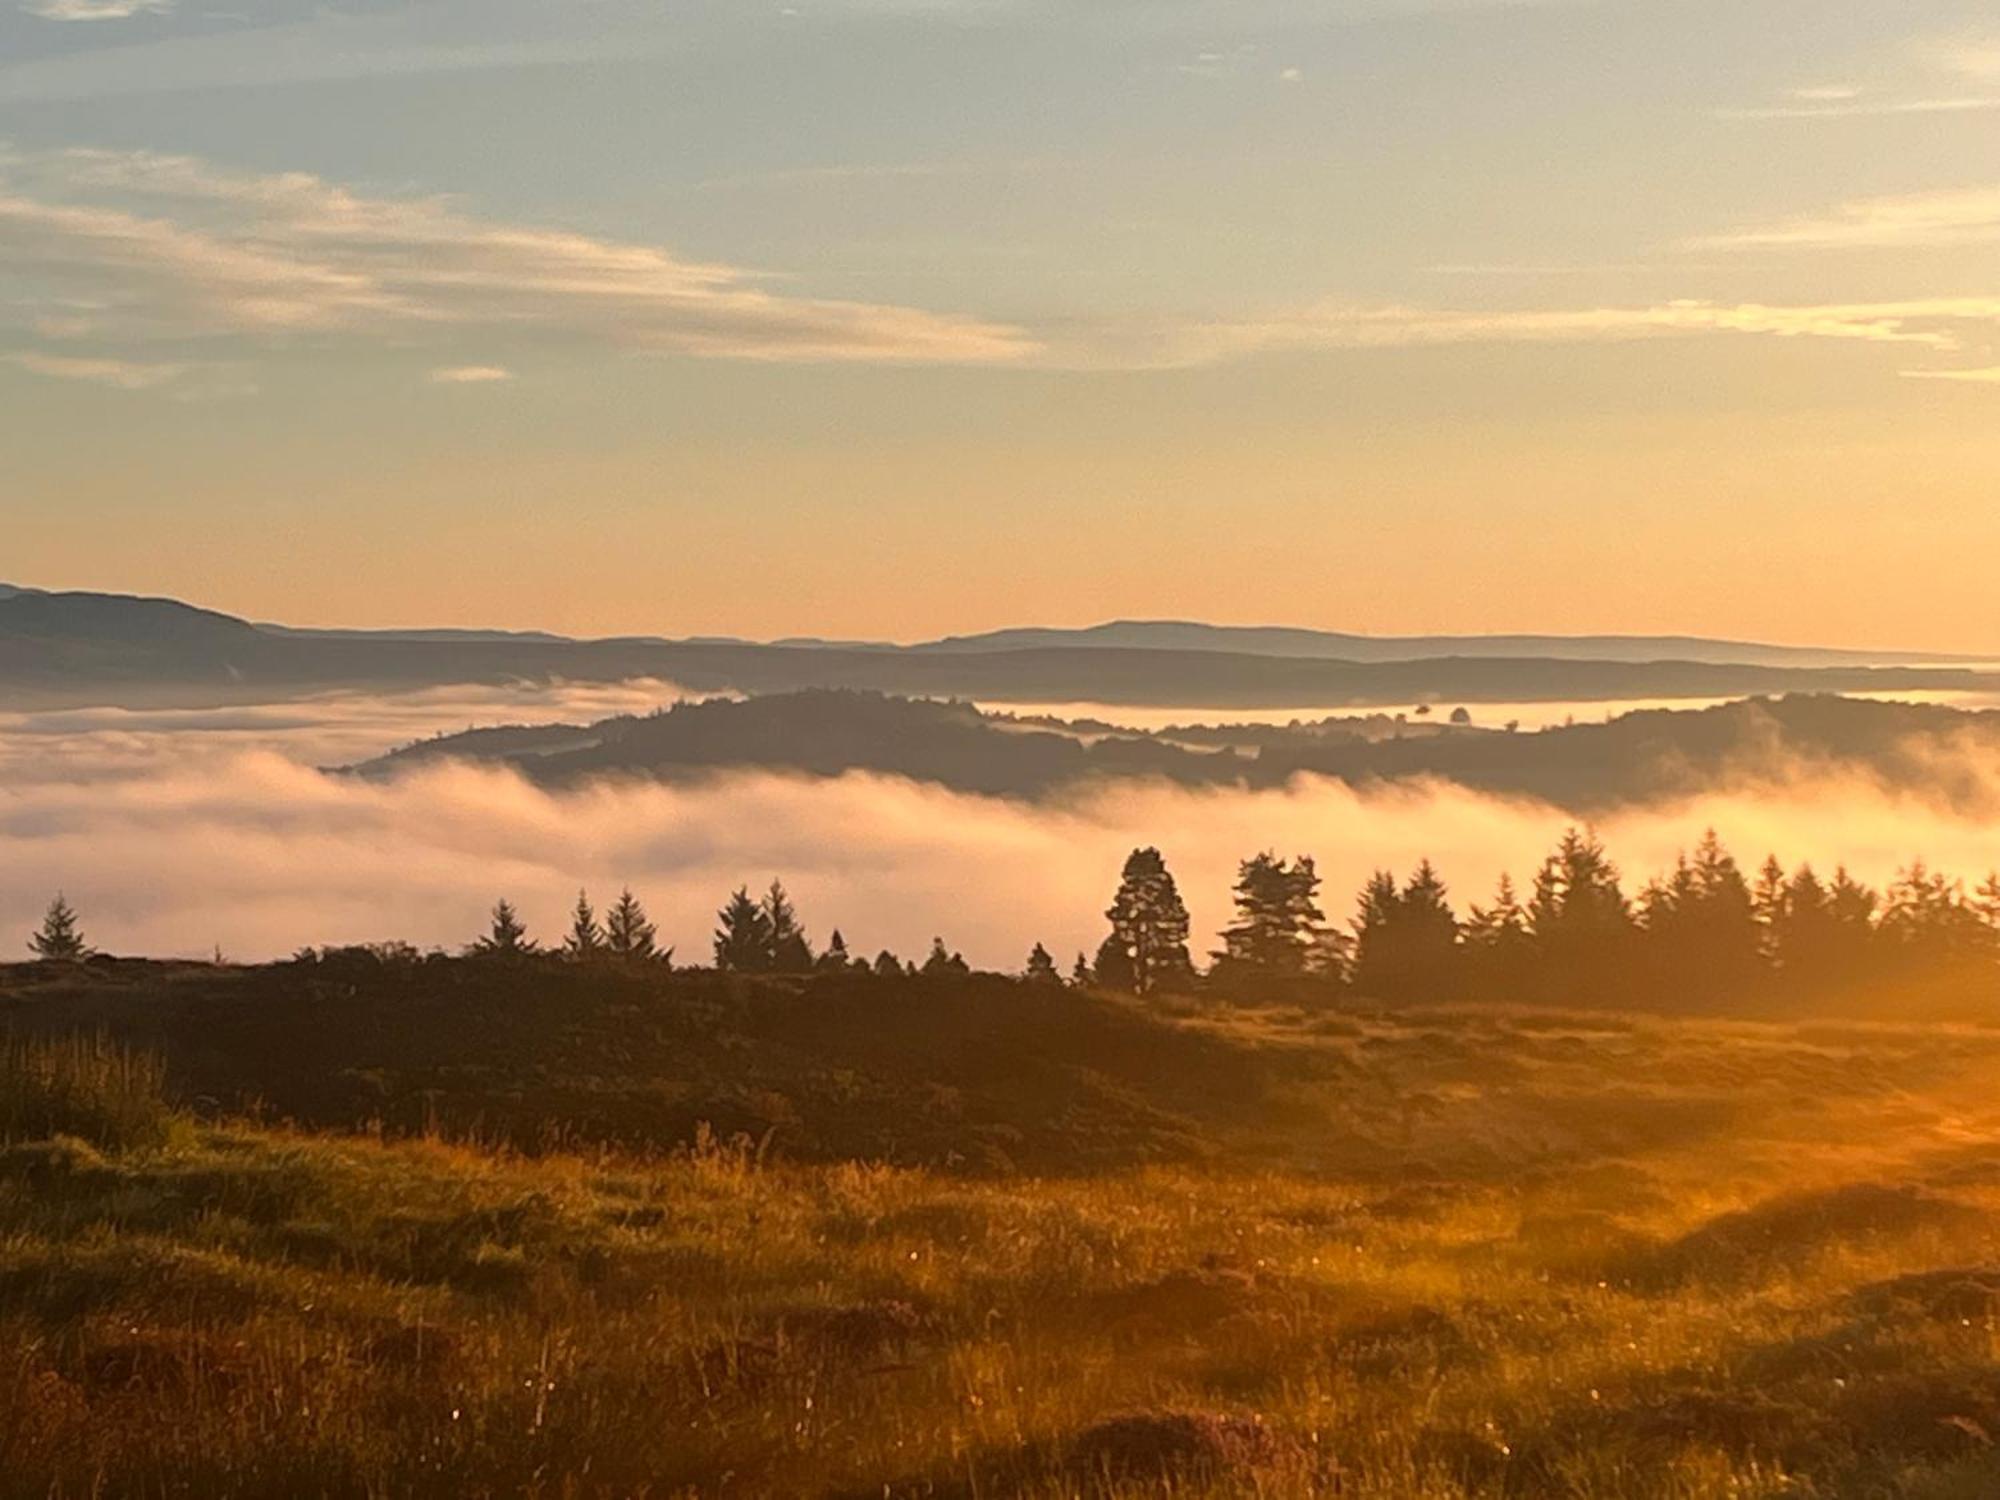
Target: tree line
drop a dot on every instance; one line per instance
(1704, 934)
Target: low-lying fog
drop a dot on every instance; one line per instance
(177, 833)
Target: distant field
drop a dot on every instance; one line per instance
(1115, 1250)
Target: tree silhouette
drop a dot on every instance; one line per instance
(743, 940)
(1080, 975)
(888, 966)
(1579, 918)
(1703, 941)
(59, 940)
(1042, 967)
(1499, 952)
(1149, 924)
(835, 960)
(586, 938)
(627, 933)
(789, 952)
(507, 938)
(943, 963)
(1406, 941)
(1278, 921)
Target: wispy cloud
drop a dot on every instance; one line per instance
(1933, 323)
(1967, 377)
(93, 10)
(184, 248)
(471, 375)
(124, 374)
(1967, 216)
(1852, 107)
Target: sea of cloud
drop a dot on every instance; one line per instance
(178, 833)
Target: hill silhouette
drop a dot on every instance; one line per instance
(1638, 757)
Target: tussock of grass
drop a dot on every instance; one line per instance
(86, 1086)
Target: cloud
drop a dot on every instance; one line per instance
(1973, 377)
(125, 375)
(174, 833)
(184, 249)
(1833, 107)
(1959, 217)
(93, 10)
(470, 375)
(1933, 323)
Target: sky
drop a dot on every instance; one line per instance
(897, 318)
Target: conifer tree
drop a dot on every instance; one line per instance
(586, 938)
(888, 966)
(788, 950)
(1041, 967)
(507, 938)
(59, 940)
(942, 962)
(1149, 924)
(1279, 926)
(743, 940)
(835, 960)
(1579, 918)
(1498, 949)
(1079, 974)
(627, 933)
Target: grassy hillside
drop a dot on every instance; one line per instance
(1428, 1255)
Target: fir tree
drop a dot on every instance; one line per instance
(627, 933)
(507, 938)
(743, 940)
(586, 938)
(1042, 967)
(1080, 975)
(60, 940)
(789, 952)
(944, 963)
(835, 959)
(1499, 952)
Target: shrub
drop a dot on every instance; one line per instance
(88, 1087)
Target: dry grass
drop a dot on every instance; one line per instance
(1794, 1297)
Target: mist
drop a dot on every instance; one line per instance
(183, 834)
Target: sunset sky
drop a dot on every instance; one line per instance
(895, 318)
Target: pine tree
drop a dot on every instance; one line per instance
(1579, 918)
(627, 933)
(1377, 963)
(789, 951)
(835, 959)
(943, 963)
(586, 938)
(60, 940)
(1498, 950)
(743, 940)
(508, 938)
(888, 966)
(1279, 926)
(1079, 975)
(1149, 924)
(1042, 967)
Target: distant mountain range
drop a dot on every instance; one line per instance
(88, 648)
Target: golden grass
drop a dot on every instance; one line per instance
(1798, 1299)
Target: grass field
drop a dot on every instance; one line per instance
(1427, 1254)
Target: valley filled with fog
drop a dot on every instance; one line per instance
(183, 832)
